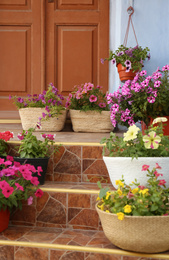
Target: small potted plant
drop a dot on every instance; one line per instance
(35, 151)
(128, 60)
(44, 111)
(144, 98)
(125, 154)
(89, 110)
(4, 137)
(136, 217)
(17, 183)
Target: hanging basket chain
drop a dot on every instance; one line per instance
(130, 10)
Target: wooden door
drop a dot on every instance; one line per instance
(21, 51)
(77, 37)
(58, 41)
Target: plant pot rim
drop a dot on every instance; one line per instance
(118, 157)
(126, 216)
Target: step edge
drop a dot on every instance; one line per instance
(66, 143)
(77, 191)
(81, 249)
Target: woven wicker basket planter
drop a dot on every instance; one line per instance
(91, 121)
(147, 234)
(29, 118)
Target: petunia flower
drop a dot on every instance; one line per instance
(151, 141)
(131, 133)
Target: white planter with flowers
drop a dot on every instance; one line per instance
(89, 110)
(128, 154)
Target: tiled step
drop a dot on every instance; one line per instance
(23, 243)
(61, 206)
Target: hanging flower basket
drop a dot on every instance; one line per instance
(123, 75)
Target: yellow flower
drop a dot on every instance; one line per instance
(131, 133)
(107, 211)
(159, 120)
(119, 192)
(145, 191)
(120, 215)
(127, 209)
(118, 182)
(151, 140)
(98, 198)
(107, 195)
(134, 191)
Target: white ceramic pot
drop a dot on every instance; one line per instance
(132, 169)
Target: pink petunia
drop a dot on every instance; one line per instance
(35, 181)
(30, 200)
(92, 98)
(145, 167)
(19, 187)
(39, 193)
(7, 191)
(162, 182)
(157, 166)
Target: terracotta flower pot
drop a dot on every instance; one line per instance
(4, 219)
(123, 75)
(165, 130)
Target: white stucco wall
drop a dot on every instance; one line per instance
(151, 23)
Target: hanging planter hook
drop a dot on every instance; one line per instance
(130, 10)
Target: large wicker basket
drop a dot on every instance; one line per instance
(147, 234)
(91, 121)
(29, 118)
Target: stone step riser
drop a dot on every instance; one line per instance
(61, 210)
(75, 164)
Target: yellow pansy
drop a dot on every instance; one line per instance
(134, 191)
(107, 195)
(145, 191)
(127, 209)
(120, 215)
(119, 192)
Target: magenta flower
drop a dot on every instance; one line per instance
(39, 193)
(7, 191)
(19, 187)
(35, 181)
(92, 98)
(30, 200)
(162, 182)
(151, 99)
(102, 105)
(145, 167)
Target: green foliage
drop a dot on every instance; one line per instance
(136, 200)
(81, 98)
(135, 147)
(135, 55)
(32, 147)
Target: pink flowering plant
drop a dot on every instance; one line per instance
(50, 99)
(134, 144)
(32, 147)
(17, 184)
(87, 97)
(131, 58)
(141, 98)
(4, 138)
(136, 199)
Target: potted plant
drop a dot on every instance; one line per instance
(4, 137)
(141, 99)
(17, 183)
(136, 217)
(89, 110)
(35, 151)
(126, 154)
(128, 60)
(44, 111)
